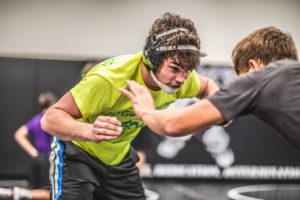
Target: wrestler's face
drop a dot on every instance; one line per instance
(171, 74)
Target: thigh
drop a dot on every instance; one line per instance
(126, 187)
(124, 182)
(75, 191)
(78, 181)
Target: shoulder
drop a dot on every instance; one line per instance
(116, 69)
(34, 120)
(281, 65)
(118, 61)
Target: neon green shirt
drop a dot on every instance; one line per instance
(97, 94)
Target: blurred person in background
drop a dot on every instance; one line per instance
(36, 143)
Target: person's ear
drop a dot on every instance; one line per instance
(254, 65)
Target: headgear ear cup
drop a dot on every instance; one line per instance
(151, 57)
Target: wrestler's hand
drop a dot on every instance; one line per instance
(140, 98)
(106, 128)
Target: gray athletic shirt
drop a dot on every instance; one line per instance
(271, 93)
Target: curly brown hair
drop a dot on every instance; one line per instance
(187, 59)
(267, 45)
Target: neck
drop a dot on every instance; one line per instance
(148, 80)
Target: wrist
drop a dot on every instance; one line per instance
(82, 132)
(144, 114)
(34, 153)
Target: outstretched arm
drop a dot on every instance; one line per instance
(172, 121)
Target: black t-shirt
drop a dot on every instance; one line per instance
(272, 94)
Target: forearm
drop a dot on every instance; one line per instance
(27, 147)
(60, 124)
(154, 120)
(182, 121)
(166, 122)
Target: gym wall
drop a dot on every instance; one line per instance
(21, 81)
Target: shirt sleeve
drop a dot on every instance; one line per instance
(238, 98)
(30, 124)
(92, 95)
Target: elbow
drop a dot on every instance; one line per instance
(20, 134)
(44, 124)
(17, 136)
(47, 126)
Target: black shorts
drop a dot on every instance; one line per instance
(74, 174)
(39, 176)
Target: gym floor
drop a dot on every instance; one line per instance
(178, 189)
(197, 189)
